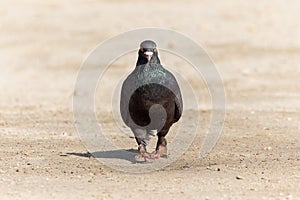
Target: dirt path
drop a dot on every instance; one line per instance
(256, 47)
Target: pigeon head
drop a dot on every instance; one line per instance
(148, 53)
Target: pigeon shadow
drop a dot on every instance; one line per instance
(125, 154)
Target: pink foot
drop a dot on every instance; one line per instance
(161, 152)
(158, 154)
(142, 157)
(154, 155)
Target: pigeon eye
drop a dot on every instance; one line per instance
(142, 49)
(154, 50)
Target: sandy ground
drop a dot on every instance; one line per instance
(256, 46)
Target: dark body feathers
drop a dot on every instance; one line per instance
(148, 85)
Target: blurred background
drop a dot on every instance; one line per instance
(44, 43)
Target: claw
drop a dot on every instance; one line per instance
(154, 155)
(157, 155)
(141, 158)
(144, 156)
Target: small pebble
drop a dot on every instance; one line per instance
(267, 148)
(185, 166)
(238, 177)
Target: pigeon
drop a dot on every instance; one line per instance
(150, 102)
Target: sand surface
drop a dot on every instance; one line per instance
(255, 46)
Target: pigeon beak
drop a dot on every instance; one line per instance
(149, 55)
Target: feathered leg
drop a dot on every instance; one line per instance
(161, 146)
(142, 141)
